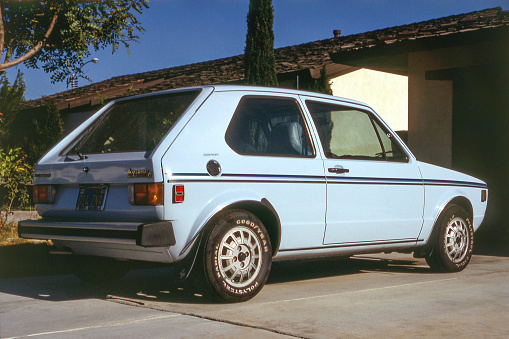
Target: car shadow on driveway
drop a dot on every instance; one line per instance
(155, 284)
(293, 270)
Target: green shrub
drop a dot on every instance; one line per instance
(8, 232)
(15, 173)
(35, 130)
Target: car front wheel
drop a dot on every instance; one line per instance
(454, 241)
(237, 256)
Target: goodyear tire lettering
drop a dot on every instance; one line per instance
(239, 256)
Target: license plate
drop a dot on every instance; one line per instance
(91, 197)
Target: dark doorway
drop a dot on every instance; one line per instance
(480, 139)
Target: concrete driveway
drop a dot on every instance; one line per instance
(374, 295)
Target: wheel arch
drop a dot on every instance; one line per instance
(268, 216)
(451, 250)
(459, 200)
(264, 211)
(462, 202)
(259, 206)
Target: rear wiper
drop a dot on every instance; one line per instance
(77, 148)
(79, 154)
(86, 135)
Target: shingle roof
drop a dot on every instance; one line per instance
(311, 56)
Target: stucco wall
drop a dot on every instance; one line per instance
(431, 101)
(430, 114)
(386, 93)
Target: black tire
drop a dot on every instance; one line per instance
(98, 270)
(236, 257)
(454, 241)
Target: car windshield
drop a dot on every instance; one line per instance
(133, 125)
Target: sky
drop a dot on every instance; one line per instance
(181, 32)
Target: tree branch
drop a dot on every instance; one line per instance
(2, 33)
(32, 51)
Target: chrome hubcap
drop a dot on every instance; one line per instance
(239, 258)
(457, 241)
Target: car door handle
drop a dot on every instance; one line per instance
(338, 170)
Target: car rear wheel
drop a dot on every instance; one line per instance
(237, 256)
(454, 242)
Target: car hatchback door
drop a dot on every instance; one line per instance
(375, 193)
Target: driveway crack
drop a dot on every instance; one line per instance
(135, 303)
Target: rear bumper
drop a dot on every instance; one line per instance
(157, 234)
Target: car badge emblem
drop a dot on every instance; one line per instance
(139, 173)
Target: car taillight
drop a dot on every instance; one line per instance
(178, 193)
(146, 194)
(44, 194)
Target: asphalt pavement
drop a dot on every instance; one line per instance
(391, 296)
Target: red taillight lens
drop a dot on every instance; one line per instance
(44, 194)
(178, 193)
(484, 196)
(146, 194)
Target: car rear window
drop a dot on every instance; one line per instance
(134, 125)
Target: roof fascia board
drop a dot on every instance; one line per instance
(393, 57)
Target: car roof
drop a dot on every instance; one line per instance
(264, 89)
(250, 89)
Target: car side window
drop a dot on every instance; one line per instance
(269, 126)
(346, 132)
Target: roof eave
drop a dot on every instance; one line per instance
(393, 57)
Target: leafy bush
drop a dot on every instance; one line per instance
(36, 130)
(15, 173)
(8, 232)
(11, 96)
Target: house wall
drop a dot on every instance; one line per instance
(459, 118)
(385, 92)
(429, 112)
(430, 102)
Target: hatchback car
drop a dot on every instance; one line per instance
(222, 180)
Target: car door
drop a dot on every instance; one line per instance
(275, 156)
(375, 193)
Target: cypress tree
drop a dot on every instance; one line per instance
(259, 59)
(322, 84)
